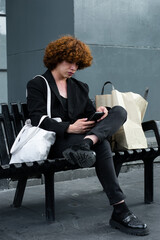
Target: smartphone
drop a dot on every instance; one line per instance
(96, 116)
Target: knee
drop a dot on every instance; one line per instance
(121, 112)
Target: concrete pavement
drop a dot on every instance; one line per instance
(82, 210)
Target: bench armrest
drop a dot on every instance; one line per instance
(154, 126)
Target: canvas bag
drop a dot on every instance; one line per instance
(33, 143)
(130, 135)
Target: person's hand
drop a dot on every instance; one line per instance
(102, 109)
(80, 126)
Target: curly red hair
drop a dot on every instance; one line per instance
(67, 48)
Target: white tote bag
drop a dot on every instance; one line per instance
(33, 143)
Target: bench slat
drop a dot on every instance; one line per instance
(4, 155)
(17, 118)
(8, 120)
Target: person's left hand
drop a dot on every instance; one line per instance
(102, 109)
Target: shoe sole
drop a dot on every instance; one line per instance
(136, 231)
(83, 158)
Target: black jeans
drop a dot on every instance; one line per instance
(104, 162)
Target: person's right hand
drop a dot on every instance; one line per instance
(80, 126)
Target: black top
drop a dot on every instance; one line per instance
(65, 106)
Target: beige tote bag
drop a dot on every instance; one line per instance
(130, 135)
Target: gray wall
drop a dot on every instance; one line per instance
(31, 25)
(3, 54)
(124, 37)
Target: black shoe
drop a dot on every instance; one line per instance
(81, 155)
(129, 224)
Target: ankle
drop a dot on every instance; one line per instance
(121, 208)
(118, 203)
(93, 138)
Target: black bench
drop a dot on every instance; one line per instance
(12, 119)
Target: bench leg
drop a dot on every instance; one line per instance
(49, 197)
(21, 185)
(148, 180)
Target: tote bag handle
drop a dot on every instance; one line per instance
(48, 96)
(108, 82)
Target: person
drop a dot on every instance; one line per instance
(70, 101)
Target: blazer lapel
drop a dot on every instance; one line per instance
(71, 93)
(53, 85)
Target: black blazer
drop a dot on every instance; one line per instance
(79, 104)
